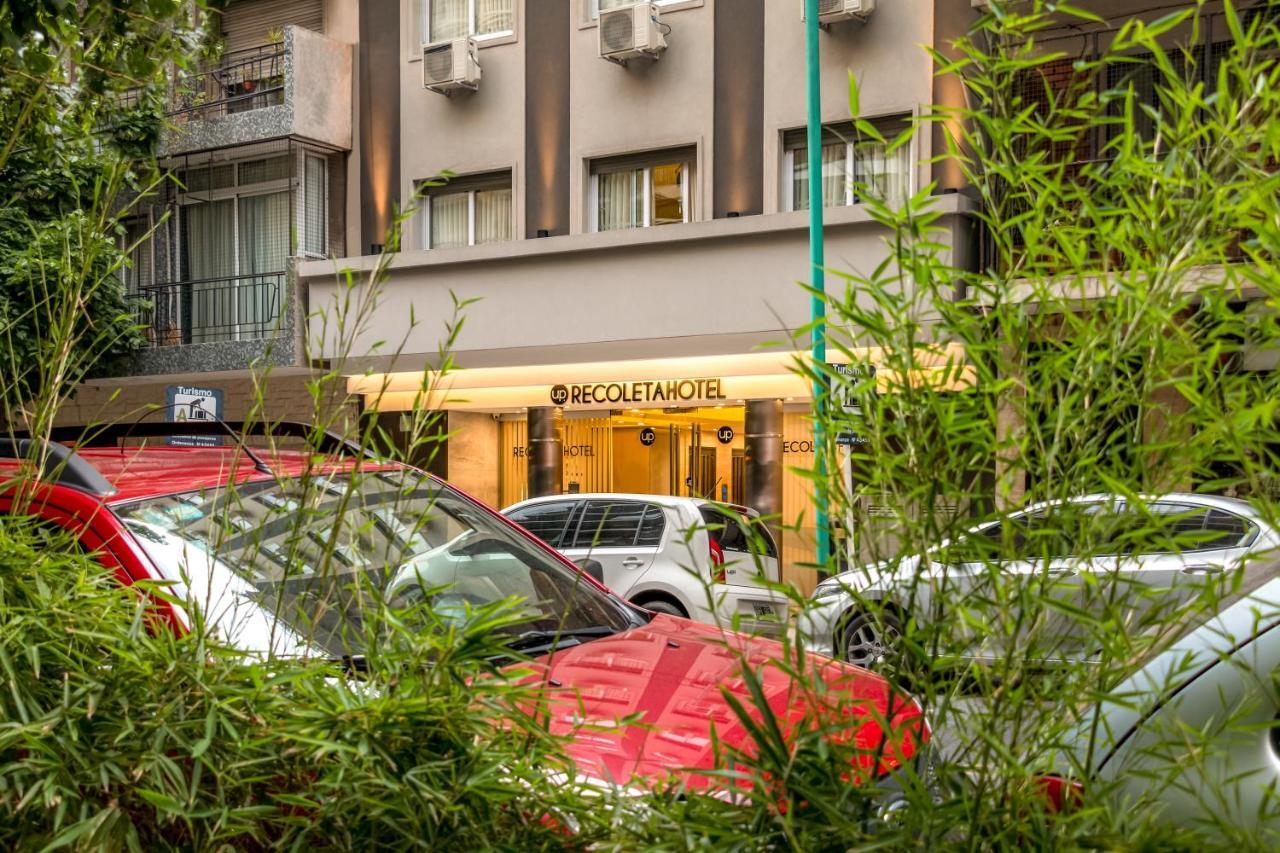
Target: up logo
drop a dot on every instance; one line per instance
(725, 434)
(559, 394)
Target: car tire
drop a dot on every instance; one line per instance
(663, 606)
(869, 639)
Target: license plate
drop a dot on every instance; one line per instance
(764, 611)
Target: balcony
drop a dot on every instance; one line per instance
(253, 95)
(220, 323)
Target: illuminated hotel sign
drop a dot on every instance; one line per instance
(651, 391)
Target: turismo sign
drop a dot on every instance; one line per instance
(650, 391)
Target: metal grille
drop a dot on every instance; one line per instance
(830, 7)
(438, 63)
(214, 309)
(242, 80)
(617, 30)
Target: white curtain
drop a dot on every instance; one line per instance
(315, 192)
(495, 16)
(448, 220)
(209, 247)
(264, 248)
(493, 216)
(884, 176)
(835, 179)
(447, 19)
(620, 200)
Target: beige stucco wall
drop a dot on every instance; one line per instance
(711, 287)
(645, 105)
(886, 55)
(650, 105)
(473, 460)
(321, 88)
(464, 133)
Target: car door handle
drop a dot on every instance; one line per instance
(633, 562)
(1201, 569)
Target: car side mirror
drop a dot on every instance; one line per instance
(592, 568)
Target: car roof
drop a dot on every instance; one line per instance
(154, 470)
(661, 500)
(1235, 505)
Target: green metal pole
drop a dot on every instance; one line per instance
(818, 308)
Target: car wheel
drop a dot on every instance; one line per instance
(868, 640)
(668, 608)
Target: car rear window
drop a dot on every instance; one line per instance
(736, 532)
(619, 524)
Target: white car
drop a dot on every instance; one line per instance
(1207, 536)
(1192, 738)
(683, 556)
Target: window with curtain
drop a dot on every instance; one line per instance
(852, 167)
(238, 223)
(641, 190)
(315, 205)
(595, 7)
(449, 19)
(136, 241)
(469, 211)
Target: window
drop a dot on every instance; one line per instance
(315, 198)
(612, 524)
(450, 19)
(850, 166)
(237, 226)
(468, 212)
(595, 7)
(546, 521)
(136, 242)
(640, 191)
(734, 533)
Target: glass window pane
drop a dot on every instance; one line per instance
(316, 192)
(882, 176)
(834, 180)
(449, 220)
(546, 521)
(495, 16)
(651, 527)
(493, 215)
(270, 169)
(620, 201)
(447, 19)
(609, 524)
(604, 5)
(208, 177)
(667, 189)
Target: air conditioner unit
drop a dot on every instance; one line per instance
(632, 32)
(835, 11)
(450, 66)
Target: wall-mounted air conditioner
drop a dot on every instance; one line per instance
(835, 11)
(450, 66)
(632, 32)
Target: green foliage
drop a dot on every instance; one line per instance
(82, 90)
(117, 735)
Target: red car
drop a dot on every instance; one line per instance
(249, 557)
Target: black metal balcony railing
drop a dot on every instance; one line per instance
(245, 307)
(240, 81)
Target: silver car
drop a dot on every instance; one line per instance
(1191, 738)
(1207, 536)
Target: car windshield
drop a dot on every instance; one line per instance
(297, 564)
